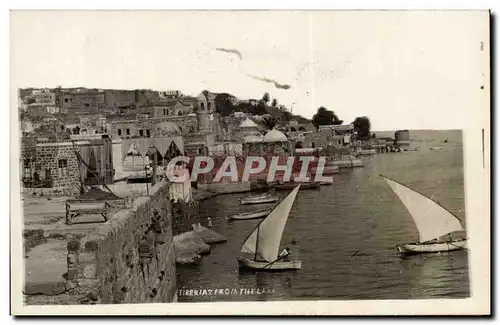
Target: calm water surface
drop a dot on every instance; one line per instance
(346, 235)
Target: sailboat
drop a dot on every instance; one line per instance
(432, 220)
(264, 241)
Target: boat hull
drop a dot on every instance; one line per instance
(248, 264)
(410, 249)
(261, 200)
(252, 215)
(291, 186)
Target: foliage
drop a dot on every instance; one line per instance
(274, 102)
(269, 122)
(325, 117)
(223, 104)
(261, 108)
(266, 98)
(362, 127)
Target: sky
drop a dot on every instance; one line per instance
(402, 69)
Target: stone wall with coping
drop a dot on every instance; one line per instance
(129, 259)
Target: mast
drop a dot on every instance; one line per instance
(257, 243)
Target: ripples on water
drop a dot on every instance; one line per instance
(346, 235)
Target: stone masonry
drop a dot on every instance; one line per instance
(186, 123)
(129, 259)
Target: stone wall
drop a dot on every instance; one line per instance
(185, 123)
(267, 148)
(46, 163)
(119, 98)
(322, 139)
(129, 259)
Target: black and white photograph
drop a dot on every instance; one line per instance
(182, 160)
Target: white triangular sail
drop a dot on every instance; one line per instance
(431, 219)
(266, 237)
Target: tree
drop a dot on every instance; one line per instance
(374, 136)
(223, 104)
(266, 98)
(325, 117)
(274, 102)
(269, 122)
(287, 116)
(261, 109)
(362, 127)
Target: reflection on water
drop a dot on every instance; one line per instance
(346, 235)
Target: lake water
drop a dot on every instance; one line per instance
(345, 235)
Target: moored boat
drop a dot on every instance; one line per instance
(292, 185)
(260, 199)
(366, 152)
(250, 215)
(264, 241)
(433, 222)
(436, 148)
(326, 182)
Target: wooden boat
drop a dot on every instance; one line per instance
(292, 185)
(436, 148)
(250, 215)
(260, 199)
(328, 182)
(264, 241)
(365, 152)
(433, 221)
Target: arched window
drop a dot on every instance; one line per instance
(292, 129)
(302, 129)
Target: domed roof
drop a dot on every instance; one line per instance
(254, 137)
(275, 136)
(248, 123)
(167, 128)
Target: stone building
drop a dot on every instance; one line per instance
(166, 108)
(83, 100)
(149, 127)
(65, 165)
(329, 136)
(273, 143)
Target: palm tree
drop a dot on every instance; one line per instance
(269, 122)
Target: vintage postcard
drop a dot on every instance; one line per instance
(250, 162)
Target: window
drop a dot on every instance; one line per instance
(65, 100)
(62, 167)
(148, 133)
(202, 106)
(141, 133)
(27, 169)
(209, 105)
(128, 131)
(119, 132)
(164, 112)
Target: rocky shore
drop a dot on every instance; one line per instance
(191, 246)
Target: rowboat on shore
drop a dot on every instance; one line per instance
(260, 199)
(263, 243)
(436, 148)
(292, 185)
(433, 222)
(250, 215)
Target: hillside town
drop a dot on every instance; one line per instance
(118, 134)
